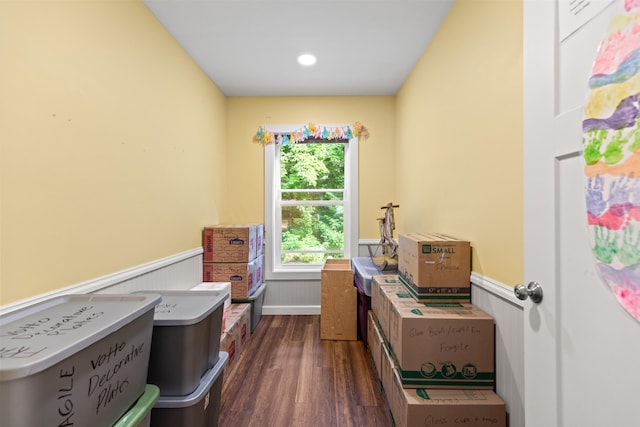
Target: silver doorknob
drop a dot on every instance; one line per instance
(533, 290)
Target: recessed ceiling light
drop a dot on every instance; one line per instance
(306, 59)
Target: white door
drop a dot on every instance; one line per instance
(582, 349)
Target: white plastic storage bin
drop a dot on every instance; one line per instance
(216, 286)
(75, 359)
(186, 339)
(199, 409)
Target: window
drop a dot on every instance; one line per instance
(311, 201)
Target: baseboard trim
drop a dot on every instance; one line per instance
(496, 288)
(100, 283)
(290, 309)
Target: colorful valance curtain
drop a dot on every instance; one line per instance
(311, 132)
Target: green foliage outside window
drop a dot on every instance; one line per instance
(312, 167)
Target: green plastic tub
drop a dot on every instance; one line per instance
(140, 413)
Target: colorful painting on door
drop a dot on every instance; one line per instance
(611, 140)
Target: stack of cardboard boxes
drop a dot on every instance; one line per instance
(433, 350)
(232, 254)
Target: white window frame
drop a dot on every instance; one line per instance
(274, 270)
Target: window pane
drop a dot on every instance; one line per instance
(311, 195)
(316, 229)
(312, 166)
(292, 258)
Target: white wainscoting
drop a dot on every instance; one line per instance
(291, 297)
(175, 272)
(498, 300)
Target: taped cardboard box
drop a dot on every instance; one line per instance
(259, 239)
(256, 270)
(229, 243)
(242, 276)
(447, 408)
(338, 301)
(383, 288)
(229, 343)
(240, 314)
(236, 336)
(435, 267)
(375, 342)
(448, 346)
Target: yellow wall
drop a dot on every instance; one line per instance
(108, 134)
(459, 136)
(244, 199)
(115, 149)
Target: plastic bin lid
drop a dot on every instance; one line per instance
(37, 337)
(134, 416)
(185, 307)
(212, 286)
(365, 269)
(206, 382)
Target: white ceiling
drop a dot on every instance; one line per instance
(250, 47)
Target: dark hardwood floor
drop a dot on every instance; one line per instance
(287, 376)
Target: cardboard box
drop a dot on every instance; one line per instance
(447, 408)
(384, 287)
(259, 239)
(375, 343)
(242, 276)
(338, 301)
(435, 267)
(397, 297)
(237, 333)
(256, 271)
(387, 367)
(229, 343)
(448, 346)
(240, 314)
(229, 243)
